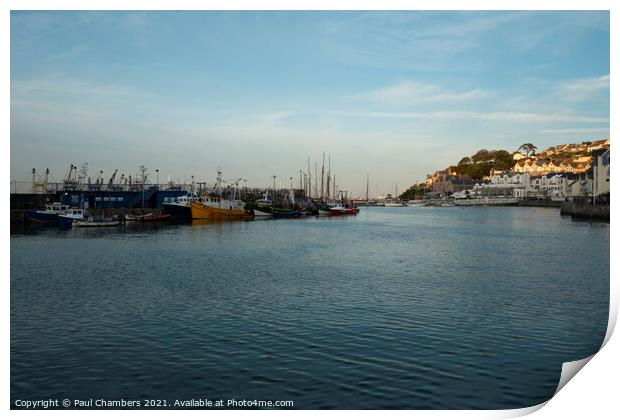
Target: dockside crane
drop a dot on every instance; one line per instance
(111, 181)
(70, 175)
(83, 174)
(39, 186)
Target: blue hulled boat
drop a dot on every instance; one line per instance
(49, 215)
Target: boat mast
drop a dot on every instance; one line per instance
(329, 172)
(274, 190)
(367, 201)
(143, 171)
(309, 179)
(316, 177)
(322, 175)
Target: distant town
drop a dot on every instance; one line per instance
(558, 173)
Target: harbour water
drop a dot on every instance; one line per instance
(408, 308)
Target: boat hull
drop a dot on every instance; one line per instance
(85, 224)
(178, 211)
(345, 212)
(34, 216)
(200, 211)
(66, 221)
(147, 218)
(262, 213)
(285, 214)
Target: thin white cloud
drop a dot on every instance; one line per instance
(576, 130)
(492, 116)
(411, 92)
(276, 116)
(583, 89)
(39, 88)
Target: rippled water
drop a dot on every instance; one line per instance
(394, 308)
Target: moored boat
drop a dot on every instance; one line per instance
(49, 215)
(219, 209)
(145, 218)
(66, 220)
(324, 209)
(263, 207)
(96, 221)
(342, 210)
(179, 207)
(283, 213)
(222, 205)
(416, 203)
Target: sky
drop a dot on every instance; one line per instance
(395, 95)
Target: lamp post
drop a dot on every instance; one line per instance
(157, 184)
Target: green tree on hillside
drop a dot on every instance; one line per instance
(483, 161)
(528, 149)
(482, 155)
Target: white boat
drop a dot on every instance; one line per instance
(393, 202)
(263, 207)
(67, 218)
(96, 221)
(416, 203)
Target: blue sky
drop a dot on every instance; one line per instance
(395, 94)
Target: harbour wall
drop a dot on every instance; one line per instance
(539, 203)
(585, 210)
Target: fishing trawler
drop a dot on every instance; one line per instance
(179, 208)
(49, 215)
(263, 207)
(219, 207)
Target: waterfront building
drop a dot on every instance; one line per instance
(600, 172)
(506, 183)
(552, 185)
(448, 184)
(578, 184)
(594, 180)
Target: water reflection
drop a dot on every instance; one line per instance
(393, 308)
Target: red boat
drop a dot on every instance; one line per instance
(341, 210)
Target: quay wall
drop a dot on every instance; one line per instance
(585, 210)
(539, 203)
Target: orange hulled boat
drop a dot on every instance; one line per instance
(218, 209)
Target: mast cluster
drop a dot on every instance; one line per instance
(320, 185)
